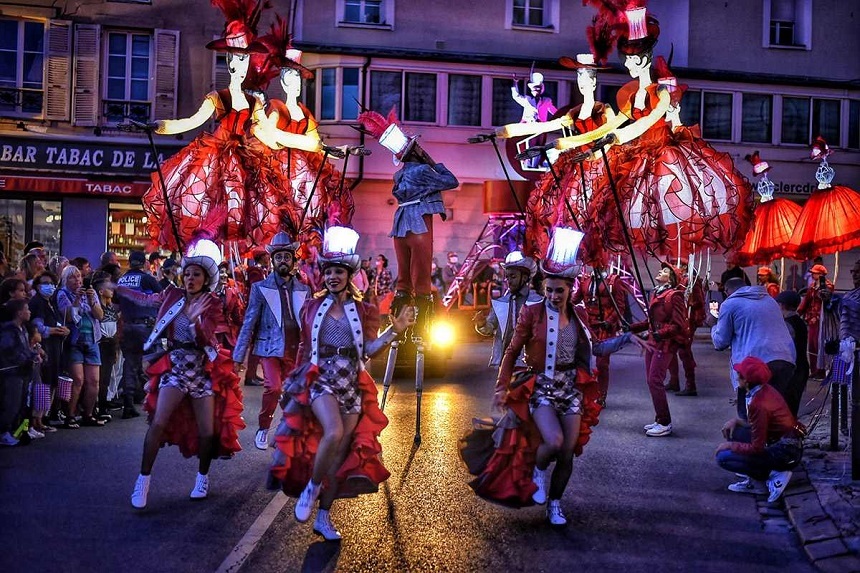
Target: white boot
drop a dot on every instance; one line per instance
(323, 526)
(141, 491)
(554, 514)
(201, 487)
(305, 505)
(540, 479)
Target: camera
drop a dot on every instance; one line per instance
(88, 283)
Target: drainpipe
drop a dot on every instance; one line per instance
(361, 137)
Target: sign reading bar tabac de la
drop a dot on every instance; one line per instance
(80, 156)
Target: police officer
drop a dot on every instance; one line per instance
(137, 322)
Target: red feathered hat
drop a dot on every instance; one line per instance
(759, 166)
(820, 149)
(240, 31)
(666, 78)
(605, 27)
(279, 42)
(641, 32)
(581, 62)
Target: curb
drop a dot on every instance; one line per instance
(821, 539)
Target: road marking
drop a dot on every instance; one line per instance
(248, 543)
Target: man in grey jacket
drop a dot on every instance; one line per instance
(504, 310)
(751, 323)
(272, 321)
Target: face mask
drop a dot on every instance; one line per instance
(47, 290)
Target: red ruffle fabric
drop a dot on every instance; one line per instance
(182, 428)
(827, 223)
(298, 435)
(507, 476)
(774, 221)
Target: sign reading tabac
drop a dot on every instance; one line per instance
(80, 156)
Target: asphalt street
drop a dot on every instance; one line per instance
(633, 504)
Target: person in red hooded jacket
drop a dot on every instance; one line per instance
(668, 329)
(766, 446)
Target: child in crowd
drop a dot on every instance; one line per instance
(16, 364)
(40, 394)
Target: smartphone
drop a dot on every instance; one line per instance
(88, 283)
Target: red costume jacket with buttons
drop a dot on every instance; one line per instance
(810, 306)
(668, 313)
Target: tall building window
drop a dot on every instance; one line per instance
(22, 56)
(328, 92)
(788, 23)
(127, 81)
(756, 118)
(505, 109)
(365, 13)
(795, 120)
(529, 13)
(691, 108)
(717, 116)
(826, 120)
(387, 91)
(854, 124)
(464, 100)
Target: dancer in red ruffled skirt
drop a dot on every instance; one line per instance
(552, 406)
(327, 442)
(194, 399)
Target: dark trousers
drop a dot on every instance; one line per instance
(133, 377)
(656, 365)
(756, 466)
(12, 391)
(108, 350)
(414, 254)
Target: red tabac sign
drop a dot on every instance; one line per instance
(82, 186)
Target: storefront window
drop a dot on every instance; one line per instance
(127, 229)
(12, 229)
(47, 222)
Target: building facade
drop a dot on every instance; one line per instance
(762, 74)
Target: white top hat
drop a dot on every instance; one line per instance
(560, 260)
(537, 79)
(339, 248)
(516, 260)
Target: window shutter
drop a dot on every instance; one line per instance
(220, 75)
(166, 73)
(85, 98)
(57, 76)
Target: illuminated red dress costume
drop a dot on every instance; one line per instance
(208, 180)
(547, 207)
(331, 203)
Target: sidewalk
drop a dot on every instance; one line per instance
(822, 502)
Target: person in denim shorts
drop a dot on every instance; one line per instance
(81, 311)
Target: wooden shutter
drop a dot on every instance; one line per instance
(85, 96)
(220, 77)
(166, 73)
(58, 70)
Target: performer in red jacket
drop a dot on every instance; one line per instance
(194, 399)
(327, 442)
(552, 405)
(694, 297)
(668, 331)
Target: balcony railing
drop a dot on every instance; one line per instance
(116, 111)
(21, 100)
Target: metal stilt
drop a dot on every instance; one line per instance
(419, 384)
(389, 371)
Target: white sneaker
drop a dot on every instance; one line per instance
(647, 427)
(305, 505)
(261, 440)
(540, 478)
(554, 514)
(323, 526)
(201, 487)
(35, 434)
(141, 491)
(749, 485)
(776, 484)
(659, 430)
(8, 440)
